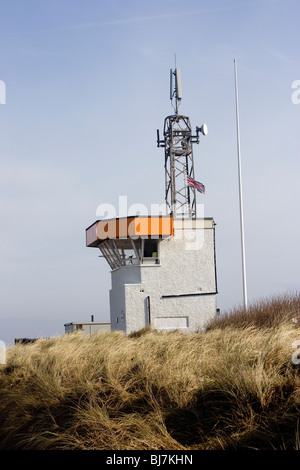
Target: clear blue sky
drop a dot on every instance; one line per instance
(87, 85)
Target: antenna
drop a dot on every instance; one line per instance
(178, 140)
(178, 84)
(175, 88)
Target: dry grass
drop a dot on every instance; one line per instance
(265, 313)
(232, 387)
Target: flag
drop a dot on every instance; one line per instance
(195, 184)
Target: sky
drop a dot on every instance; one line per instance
(83, 88)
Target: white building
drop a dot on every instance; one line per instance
(163, 271)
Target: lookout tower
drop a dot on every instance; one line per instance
(163, 268)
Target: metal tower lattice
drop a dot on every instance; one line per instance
(179, 162)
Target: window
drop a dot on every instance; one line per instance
(150, 252)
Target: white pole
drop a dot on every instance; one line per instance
(240, 193)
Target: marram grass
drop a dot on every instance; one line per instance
(233, 386)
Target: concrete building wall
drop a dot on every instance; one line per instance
(121, 278)
(181, 289)
(187, 267)
(136, 308)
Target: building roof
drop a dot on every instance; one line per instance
(129, 227)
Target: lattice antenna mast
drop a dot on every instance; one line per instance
(179, 162)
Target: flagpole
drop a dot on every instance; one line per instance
(240, 193)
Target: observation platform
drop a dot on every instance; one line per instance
(129, 227)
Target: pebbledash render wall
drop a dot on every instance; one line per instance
(177, 293)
